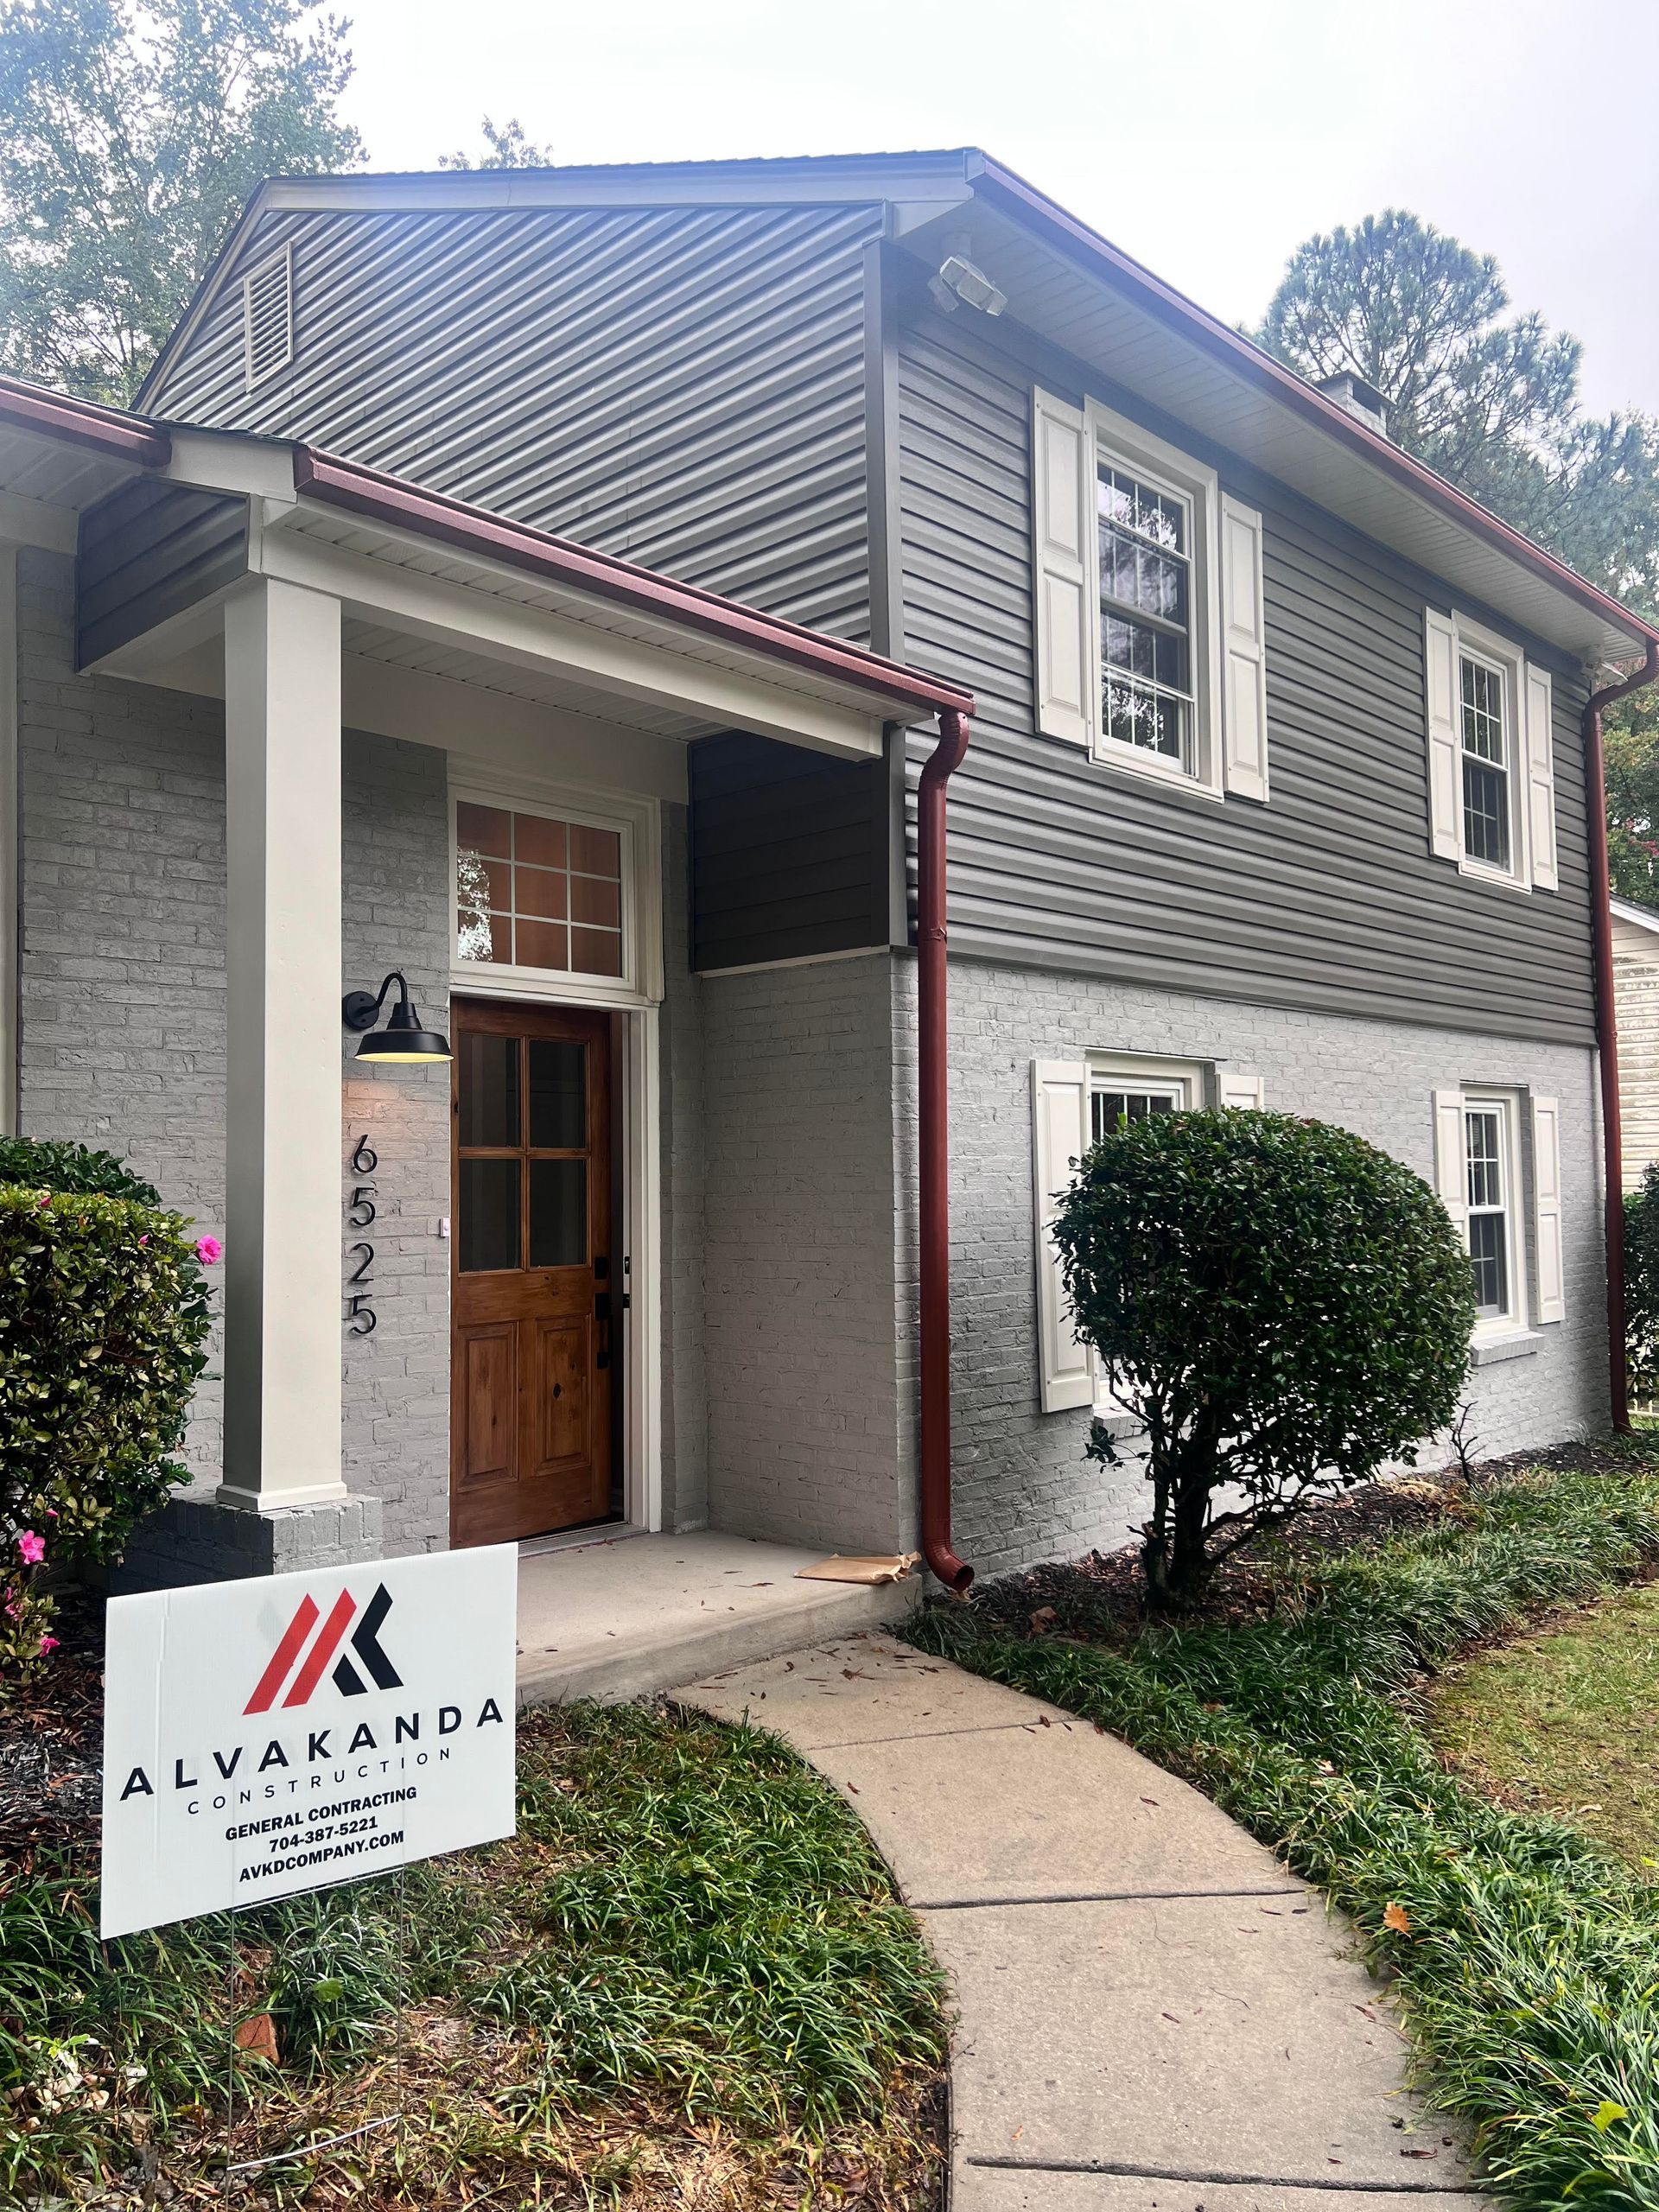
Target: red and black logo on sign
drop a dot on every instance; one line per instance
(365, 1642)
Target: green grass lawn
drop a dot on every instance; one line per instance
(1526, 1954)
(1566, 1721)
(685, 1981)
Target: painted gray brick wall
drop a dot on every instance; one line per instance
(395, 842)
(805, 1414)
(1023, 1489)
(121, 803)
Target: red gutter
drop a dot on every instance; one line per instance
(1248, 360)
(560, 561)
(121, 438)
(1613, 1135)
(933, 1147)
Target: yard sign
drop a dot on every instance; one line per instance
(288, 1731)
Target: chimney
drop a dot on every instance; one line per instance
(1356, 397)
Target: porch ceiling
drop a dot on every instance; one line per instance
(422, 656)
(427, 607)
(370, 636)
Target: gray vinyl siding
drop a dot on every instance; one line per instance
(148, 551)
(1325, 899)
(789, 854)
(682, 387)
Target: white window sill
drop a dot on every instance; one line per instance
(1506, 1343)
(1118, 1424)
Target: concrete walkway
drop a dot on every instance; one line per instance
(1153, 2016)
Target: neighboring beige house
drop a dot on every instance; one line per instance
(1635, 1004)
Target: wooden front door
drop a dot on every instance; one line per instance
(530, 1373)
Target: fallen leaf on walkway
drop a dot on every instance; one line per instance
(1397, 1917)
(1148, 1800)
(1419, 2154)
(1043, 1720)
(1173, 2016)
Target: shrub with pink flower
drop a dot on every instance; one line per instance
(105, 1310)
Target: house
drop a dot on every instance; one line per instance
(649, 532)
(1635, 1001)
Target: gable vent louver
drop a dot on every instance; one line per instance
(268, 317)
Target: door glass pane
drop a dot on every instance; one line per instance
(489, 1090)
(558, 1096)
(558, 1213)
(489, 1215)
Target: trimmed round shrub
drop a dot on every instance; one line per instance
(1284, 1307)
(103, 1314)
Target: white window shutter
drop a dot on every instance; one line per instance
(1547, 1209)
(1445, 753)
(1541, 776)
(1451, 1159)
(1059, 1119)
(1233, 1088)
(1064, 559)
(1245, 653)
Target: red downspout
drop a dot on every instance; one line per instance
(1601, 915)
(934, 1147)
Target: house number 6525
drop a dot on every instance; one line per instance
(359, 1212)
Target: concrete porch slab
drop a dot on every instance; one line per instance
(620, 1618)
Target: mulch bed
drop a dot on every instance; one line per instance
(1102, 1596)
(52, 1741)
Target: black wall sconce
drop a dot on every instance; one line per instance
(402, 1038)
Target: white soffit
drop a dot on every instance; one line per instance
(1086, 316)
(55, 472)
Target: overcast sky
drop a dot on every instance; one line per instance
(1206, 137)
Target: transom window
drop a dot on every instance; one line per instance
(537, 891)
(1110, 1107)
(1129, 1089)
(1487, 1171)
(1146, 616)
(1484, 725)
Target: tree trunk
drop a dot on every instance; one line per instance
(1176, 1564)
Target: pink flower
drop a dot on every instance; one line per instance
(31, 1548)
(44, 1204)
(208, 1248)
(143, 1240)
(48, 1643)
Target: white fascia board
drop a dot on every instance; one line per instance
(1644, 918)
(227, 460)
(467, 618)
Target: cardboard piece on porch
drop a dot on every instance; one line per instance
(289, 1732)
(889, 1566)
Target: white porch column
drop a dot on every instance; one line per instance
(282, 1238)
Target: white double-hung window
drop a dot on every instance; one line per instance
(1073, 1104)
(1479, 1169)
(1151, 648)
(1491, 757)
